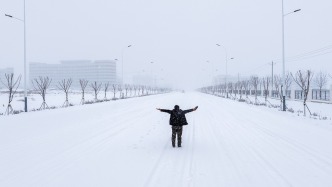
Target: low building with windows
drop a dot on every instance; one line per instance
(102, 71)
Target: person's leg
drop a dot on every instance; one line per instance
(179, 132)
(173, 135)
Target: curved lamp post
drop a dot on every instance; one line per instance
(226, 59)
(122, 81)
(283, 55)
(25, 74)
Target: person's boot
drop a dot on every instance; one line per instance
(179, 142)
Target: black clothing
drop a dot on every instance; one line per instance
(178, 117)
(177, 130)
(177, 120)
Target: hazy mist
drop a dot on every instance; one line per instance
(179, 37)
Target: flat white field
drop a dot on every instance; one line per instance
(128, 143)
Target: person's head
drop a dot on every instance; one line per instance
(176, 107)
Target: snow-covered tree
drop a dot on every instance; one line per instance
(303, 79)
(320, 81)
(11, 84)
(41, 85)
(83, 84)
(106, 86)
(288, 82)
(127, 88)
(114, 90)
(120, 91)
(254, 81)
(96, 89)
(266, 83)
(64, 85)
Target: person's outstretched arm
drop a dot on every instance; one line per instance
(190, 110)
(164, 110)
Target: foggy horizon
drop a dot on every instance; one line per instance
(178, 37)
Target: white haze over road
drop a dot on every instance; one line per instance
(178, 36)
(127, 143)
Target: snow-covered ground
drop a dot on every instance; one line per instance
(54, 98)
(127, 143)
(319, 109)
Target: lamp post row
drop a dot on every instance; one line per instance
(226, 59)
(25, 54)
(283, 55)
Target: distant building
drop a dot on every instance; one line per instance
(102, 71)
(5, 71)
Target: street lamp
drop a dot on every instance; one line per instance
(226, 67)
(25, 74)
(122, 59)
(152, 74)
(283, 55)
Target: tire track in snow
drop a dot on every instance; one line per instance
(252, 127)
(232, 131)
(318, 159)
(183, 167)
(178, 163)
(152, 175)
(93, 143)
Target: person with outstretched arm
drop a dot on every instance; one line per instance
(177, 120)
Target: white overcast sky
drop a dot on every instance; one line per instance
(179, 36)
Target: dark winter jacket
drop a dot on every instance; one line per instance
(178, 117)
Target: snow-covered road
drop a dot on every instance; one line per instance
(127, 143)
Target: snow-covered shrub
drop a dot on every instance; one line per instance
(315, 114)
(17, 111)
(89, 102)
(290, 110)
(242, 100)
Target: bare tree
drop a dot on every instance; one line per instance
(138, 89)
(230, 89)
(135, 89)
(114, 90)
(266, 83)
(246, 87)
(224, 90)
(41, 85)
(120, 91)
(12, 85)
(241, 87)
(288, 82)
(130, 90)
(236, 88)
(127, 88)
(83, 84)
(148, 90)
(64, 85)
(277, 83)
(303, 79)
(96, 89)
(143, 88)
(106, 85)
(254, 81)
(320, 81)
